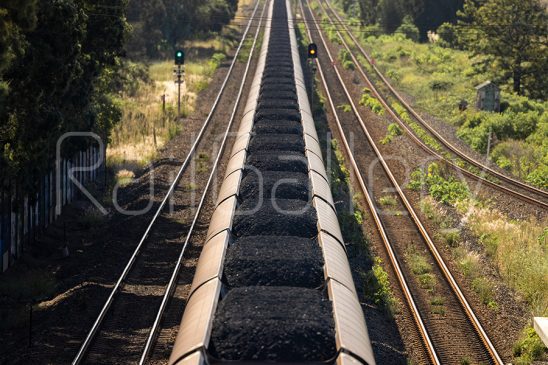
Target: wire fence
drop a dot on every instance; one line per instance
(22, 216)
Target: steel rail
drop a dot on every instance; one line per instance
(96, 325)
(172, 282)
(431, 246)
(426, 125)
(380, 226)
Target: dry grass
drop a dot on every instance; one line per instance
(145, 126)
(518, 249)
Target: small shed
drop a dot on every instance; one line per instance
(488, 97)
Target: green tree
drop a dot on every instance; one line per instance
(409, 29)
(512, 34)
(54, 84)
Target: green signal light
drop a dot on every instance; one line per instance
(179, 57)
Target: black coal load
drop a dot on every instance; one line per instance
(275, 308)
(283, 324)
(282, 217)
(281, 114)
(269, 126)
(275, 103)
(286, 142)
(276, 160)
(274, 261)
(274, 185)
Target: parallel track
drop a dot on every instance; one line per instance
(448, 339)
(538, 197)
(173, 280)
(149, 256)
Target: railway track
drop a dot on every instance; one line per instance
(450, 331)
(513, 187)
(273, 283)
(132, 307)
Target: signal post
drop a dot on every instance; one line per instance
(179, 73)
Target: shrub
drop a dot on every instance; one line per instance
(371, 102)
(529, 347)
(448, 36)
(347, 108)
(440, 85)
(345, 59)
(377, 284)
(374, 30)
(394, 130)
(446, 190)
(409, 29)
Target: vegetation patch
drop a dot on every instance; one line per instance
(347, 108)
(529, 348)
(440, 78)
(439, 184)
(388, 200)
(518, 249)
(393, 131)
(346, 60)
(379, 288)
(371, 102)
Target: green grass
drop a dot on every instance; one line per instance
(347, 108)
(346, 60)
(440, 184)
(451, 237)
(388, 200)
(439, 78)
(371, 102)
(422, 269)
(393, 131)
(529, 348)
(378, 285)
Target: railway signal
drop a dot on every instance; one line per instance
(312, 57)
(312, 50)
(179, 73)
(179, 57)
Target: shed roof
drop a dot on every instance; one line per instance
(484, 84)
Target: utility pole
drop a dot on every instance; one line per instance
(489, 143)
(179, 72)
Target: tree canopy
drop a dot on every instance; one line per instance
(513, 34)
(158, 26)
(426, 14)
(52, 60)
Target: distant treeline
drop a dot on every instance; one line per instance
(389, 14)
(158, 26)
(63, 61)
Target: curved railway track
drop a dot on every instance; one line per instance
(127, 312)
(273, 283)
(516, 188)
(451, 337)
